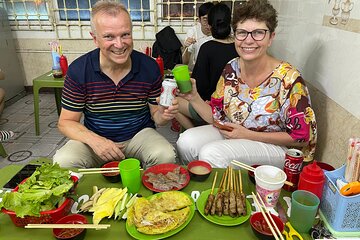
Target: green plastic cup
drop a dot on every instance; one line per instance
(130, 174)
(182, 78)
(304, 206)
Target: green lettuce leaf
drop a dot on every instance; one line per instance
(42, 191)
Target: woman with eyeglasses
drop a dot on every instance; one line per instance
(261, 105)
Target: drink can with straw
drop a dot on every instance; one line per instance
(292, 167)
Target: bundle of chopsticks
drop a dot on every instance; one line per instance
(99, 170)
(267, 217)
(352, 170)
(250, 168)
(82, 226)
(229, 199)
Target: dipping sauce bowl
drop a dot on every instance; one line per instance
(260, 227)
(71, 233)
(199, 170)
(114, 176)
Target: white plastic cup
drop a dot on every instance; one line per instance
(269, 181)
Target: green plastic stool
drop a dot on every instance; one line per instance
(2, 151)
(46, 80)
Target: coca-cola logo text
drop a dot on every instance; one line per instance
(294, 167)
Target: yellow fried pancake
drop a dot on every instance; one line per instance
(157, 222)
(141, 208)
(170, 201)
(180, 215)
(162, 213)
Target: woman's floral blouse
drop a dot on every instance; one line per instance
(280, 103)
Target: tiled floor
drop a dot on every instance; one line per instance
(25, 146)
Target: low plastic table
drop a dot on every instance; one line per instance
(46, 80)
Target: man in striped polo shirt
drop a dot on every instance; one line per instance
(115, 89)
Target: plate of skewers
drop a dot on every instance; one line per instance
(226, 205)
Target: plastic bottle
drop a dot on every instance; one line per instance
(312, 179)
(63, 64)
(160, 62)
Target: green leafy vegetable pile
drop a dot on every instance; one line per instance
(42, 191)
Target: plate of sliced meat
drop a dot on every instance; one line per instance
(241, 211)
(165, 177)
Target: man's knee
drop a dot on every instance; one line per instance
(161, 155)
(72, 155)
(62, 159)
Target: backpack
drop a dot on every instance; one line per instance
(168, 46)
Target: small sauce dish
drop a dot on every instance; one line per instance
(70, 233)
(113, 177)
(260, 227)
(199, 170)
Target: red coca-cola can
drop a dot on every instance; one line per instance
(292, 167)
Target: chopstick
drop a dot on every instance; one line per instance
(269, 215)
(265, 217)
(88, 226)
(99, 170)
(247, 167)
(96, 169)
(95, 172)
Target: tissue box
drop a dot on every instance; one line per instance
(341, 212)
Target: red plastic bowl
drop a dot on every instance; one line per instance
(199, 174)
(71, 233)
(260, 227)
(112, 177)
(50, 216)
(325, 166)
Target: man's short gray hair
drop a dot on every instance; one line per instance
(108, 7)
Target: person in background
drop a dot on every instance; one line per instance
(2, 93)
(4, 135)
(116, 89)
(263, 100)
(2, 100)
(212, 58)
(197, 35)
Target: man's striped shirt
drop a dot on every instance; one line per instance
(116, 112)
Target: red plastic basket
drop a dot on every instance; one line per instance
(50, 216)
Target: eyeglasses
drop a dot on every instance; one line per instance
(257, 34)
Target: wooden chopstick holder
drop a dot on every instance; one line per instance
(87, 226)
(247, 167)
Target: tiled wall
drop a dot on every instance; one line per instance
(328, 58)
(335, 127)
(35, 56)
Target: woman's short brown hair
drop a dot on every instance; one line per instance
(260, 10)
